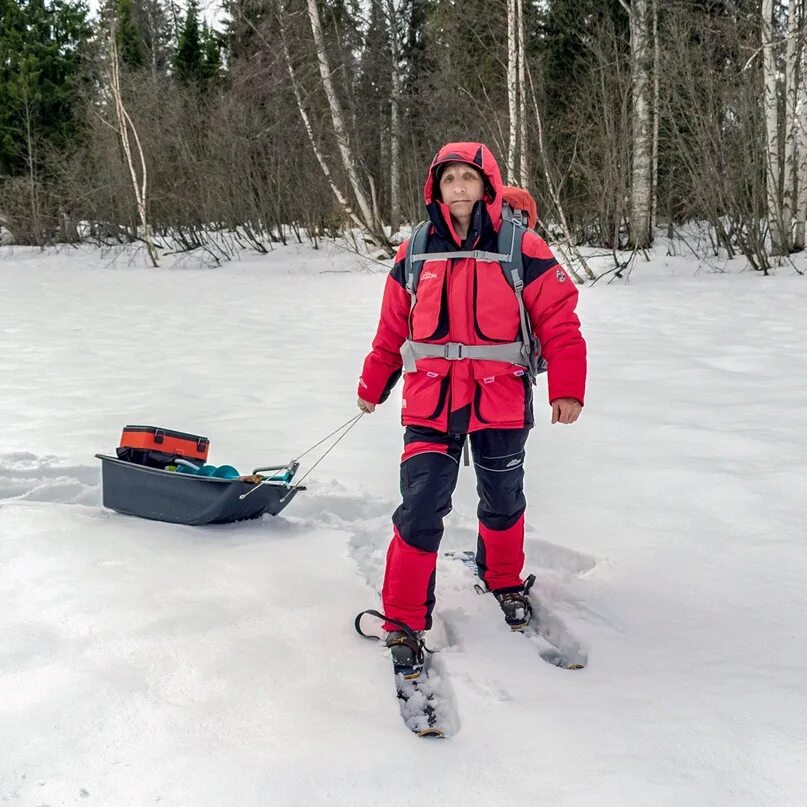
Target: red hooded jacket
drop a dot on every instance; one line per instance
(469, 301)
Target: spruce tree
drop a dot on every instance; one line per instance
(42, 50)
(189, 60)
(128, 36)
(211, 47)
(155, 26)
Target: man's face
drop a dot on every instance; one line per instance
(460, 187)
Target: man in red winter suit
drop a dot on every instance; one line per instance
(468, 301)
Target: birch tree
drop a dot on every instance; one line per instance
(790, 123)
(641, 173)
(517, 162)
(770, 105)
(512, 100)
(523, 152)
(656, 117)
(127, 132)
(312, 140)
(395, 121)
(801, 170)
(371, 224)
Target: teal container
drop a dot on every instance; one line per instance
(226, 472)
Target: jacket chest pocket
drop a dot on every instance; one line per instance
(496, 315)
(430, 300)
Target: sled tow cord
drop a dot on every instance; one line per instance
(347, 426)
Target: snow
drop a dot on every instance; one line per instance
(147, 663)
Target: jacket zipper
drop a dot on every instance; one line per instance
(450, 323)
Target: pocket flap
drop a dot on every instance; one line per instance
(486, 372)
(434, 367)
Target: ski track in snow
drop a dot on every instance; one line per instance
(459, 608)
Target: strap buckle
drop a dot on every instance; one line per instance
(453, 351)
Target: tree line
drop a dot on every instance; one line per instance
(292, 119)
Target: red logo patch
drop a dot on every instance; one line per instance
(561, 276)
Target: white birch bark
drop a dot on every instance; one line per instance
(512, 70)
(323, 163)
(523, 150)
(125, 125)
(395, 125)
(790, 131)
(774, 208)
(801, 123)
(338, 120)
(656, 115)
(641, 177)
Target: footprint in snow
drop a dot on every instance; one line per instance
(28, 477)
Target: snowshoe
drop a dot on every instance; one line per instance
(424, 701)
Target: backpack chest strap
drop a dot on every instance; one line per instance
(510, 352)
(476, 254)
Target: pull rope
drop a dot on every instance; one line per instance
(350, 423)
(347, 426)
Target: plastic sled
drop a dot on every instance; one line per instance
(189, 498)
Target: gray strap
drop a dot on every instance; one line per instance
(514, 271)
(518, 286)
(510, 353)
(408, 356)
(417, 243)
(477, 254)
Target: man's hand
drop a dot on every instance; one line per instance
(566, 410)
(366, 406)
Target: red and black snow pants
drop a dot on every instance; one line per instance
(429, 470)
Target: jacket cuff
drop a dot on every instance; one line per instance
(366, 394)
(565, 385)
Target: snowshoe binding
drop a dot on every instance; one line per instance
(407, 651)
(515, 604)
(407, 647)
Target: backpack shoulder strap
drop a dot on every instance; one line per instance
(412, 267)
(416, 246)
(511, 235)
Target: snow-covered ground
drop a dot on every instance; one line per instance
(145, 663)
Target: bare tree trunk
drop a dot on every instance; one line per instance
(801, 123)
(125, 125)
(771, 132)
(36, 224)
(568, 240)
(338, 120)
(512, 70)
(656, 116)
(395, 124)
(523, 161)
(641, 178)
(790, 132)
(323, 164)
